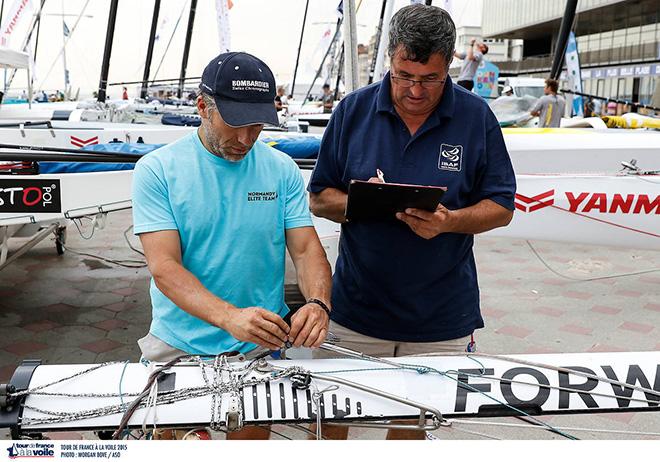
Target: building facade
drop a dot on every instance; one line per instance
(618, 42)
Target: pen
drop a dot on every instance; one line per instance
(380, 175)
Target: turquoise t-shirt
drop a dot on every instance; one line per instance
(231, 218)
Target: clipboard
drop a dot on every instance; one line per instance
(369, 201)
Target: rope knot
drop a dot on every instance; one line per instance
(424, 370)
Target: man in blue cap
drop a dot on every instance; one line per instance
(215, 212)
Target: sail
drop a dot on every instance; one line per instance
(20, 11)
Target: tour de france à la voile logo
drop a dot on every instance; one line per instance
(33, 450)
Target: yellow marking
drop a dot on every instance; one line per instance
(544, 131)
(548, 115)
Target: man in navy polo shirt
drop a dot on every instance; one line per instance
(409, 285)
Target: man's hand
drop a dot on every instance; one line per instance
(257, 325)
(309, 326)
(427, 224)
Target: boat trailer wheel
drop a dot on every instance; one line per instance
(60, 239)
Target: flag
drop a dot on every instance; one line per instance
(222, 8)
(573, 74)
(66, 29)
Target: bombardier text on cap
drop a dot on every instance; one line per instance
(257, 85)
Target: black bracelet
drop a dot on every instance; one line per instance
(321, 304)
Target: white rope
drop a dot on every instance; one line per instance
(578, 429)
(484, 435)
(151, 402)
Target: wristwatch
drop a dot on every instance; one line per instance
(320, 303)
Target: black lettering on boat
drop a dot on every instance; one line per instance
(538, 400)
(464, 386)
(581, 388)
(282, 401)
(635, 375)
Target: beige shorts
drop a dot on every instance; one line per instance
(386, 348)
(154, 349)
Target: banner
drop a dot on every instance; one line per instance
(222, 8)
(485, 80)
(20, 10)
(573, 74)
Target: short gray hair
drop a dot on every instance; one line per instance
(422, 31)
(208, 100)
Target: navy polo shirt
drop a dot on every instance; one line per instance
(390, 283)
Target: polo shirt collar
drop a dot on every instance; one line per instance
(443, 110)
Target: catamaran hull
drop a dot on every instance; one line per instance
(532, 150)
(77, 135)
(559, 150)
(607, 210)
(621, 211)
(456, 386)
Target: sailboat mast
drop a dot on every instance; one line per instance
(351, 80)
(562, 38)
(320, 69)
(383, 41)
(379, 31)
(186, 48)
(66, 71)
(339, 72)
(150, 49)
(36, 40)
(302, 32)
(105, 67)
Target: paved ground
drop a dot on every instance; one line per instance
(77, 309)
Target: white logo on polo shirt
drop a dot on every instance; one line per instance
(450, 158)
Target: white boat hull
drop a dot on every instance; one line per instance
(487, 390)
(548, 150)
(622, 211)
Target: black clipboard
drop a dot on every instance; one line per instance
(381, 201)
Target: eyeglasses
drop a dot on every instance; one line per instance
(408, 83)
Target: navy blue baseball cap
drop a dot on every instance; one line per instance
(243, 88)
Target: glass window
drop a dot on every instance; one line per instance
(633, 37)
(644, 90)
(628, 88)
(647, 34)
(618, 38)
(620, 88)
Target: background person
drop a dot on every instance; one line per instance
(471, 59)
(550, 107)
(327, 99)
